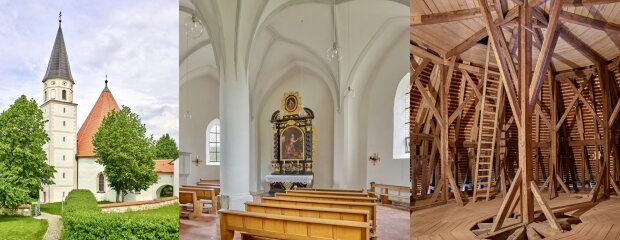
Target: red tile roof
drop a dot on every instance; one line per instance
(164, 166)
(103, 106)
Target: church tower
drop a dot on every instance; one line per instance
(61, 115)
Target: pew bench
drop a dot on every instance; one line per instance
(349, 194)
(288, 227)
(370, 207)
(309, 212)
(387, 193)
(325, 197)
(215, 189)
(331, 190)
(204, 194)
(190, 198)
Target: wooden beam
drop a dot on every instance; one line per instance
(420, 52)
(426, 95)
(570, 38)
(572, 102)
(445, 17)
(525, 131)
(462, 105)
(589, 22)
(504, 209)
(472, 84)
(480, 34)
(545, 206)
(498, 48)
(580, 3)
(587, 104)
(546, 51)
(614, 114)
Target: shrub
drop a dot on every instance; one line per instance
(83, 220)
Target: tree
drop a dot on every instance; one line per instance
(23, 167)
(166, 148)
(125, 152)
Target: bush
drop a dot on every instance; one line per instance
(84, 220)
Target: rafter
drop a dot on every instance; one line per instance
(506, 71)
(546, 51)
(579, 3)
(589, 22)
(570, 38)
(482, 33)
(445, 17)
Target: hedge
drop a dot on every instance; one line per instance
(82, 219)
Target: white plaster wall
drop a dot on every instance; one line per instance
(377, 122)
(314, 95)
(199, 96)
(88, 171)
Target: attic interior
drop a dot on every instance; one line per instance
(514, 107)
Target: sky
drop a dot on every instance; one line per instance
(135, 43)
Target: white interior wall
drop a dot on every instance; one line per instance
(314, 95)
(378, 117)
(200, 97)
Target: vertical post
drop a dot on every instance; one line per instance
(443, 93)
(604, 77)
(553, 160)
(525, 131)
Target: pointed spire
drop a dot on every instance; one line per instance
(58, 66)
(106, 83)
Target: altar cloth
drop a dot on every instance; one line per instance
(304, 179)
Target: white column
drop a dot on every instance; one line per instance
(235, 140)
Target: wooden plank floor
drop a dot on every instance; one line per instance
(453, 222)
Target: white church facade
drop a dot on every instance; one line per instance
(70, 151)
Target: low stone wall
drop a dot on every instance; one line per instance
(137, 206)
(22, 210)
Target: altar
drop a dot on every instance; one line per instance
(280, 183)
(293, 146)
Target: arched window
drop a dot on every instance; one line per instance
(213, 142)
(401, 119)
(64, 94)
(100, 183)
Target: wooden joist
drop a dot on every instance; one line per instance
(589, 22)
(445, 17)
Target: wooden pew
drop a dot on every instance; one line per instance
(325, 197)
(288, 227)
(332, 190)
(370, 207)
(216, 189)
(212, 181)
(387, 191)
(190, 198)
(204, 193)
(349, 194)
(310, 212)
(208, 184)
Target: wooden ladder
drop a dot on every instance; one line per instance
(487, 132)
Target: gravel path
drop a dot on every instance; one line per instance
(54, 229)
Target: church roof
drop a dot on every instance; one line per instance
(164, 166)
(58, 66)
(105, 104)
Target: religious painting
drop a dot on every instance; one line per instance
(293, 137)
(291, 103)
(292, 144)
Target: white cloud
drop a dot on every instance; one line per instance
(134, 42)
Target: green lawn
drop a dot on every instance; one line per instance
(51, 208)
(22, 228)
(172, 210)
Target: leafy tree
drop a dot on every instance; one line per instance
(125, 152)
(166, 148)
(23, 167)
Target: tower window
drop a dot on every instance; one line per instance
(63, 157)
(63, 175)
(64, 110)
(64, 123)
(45, 95)
(64, 94)
(63, 139)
